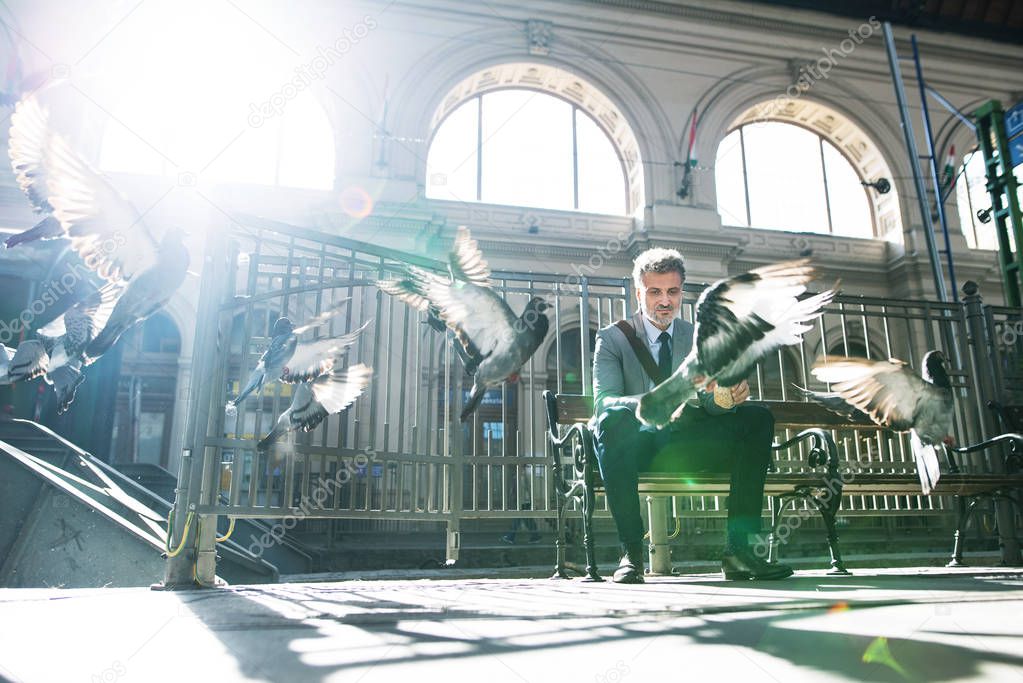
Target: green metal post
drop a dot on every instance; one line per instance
(1001, 182)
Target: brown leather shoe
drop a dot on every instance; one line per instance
(630, 568)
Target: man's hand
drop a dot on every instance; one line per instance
(740, 392)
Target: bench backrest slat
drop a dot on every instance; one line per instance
(573, 408)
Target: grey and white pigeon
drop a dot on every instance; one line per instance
(67, 337)
(465, 264)
(893, 396)
(145, 294)
(739, 320)
(289, 361)
(29, 137)
(495, 342)
(105, 229)
(57, 354)
(313, 401)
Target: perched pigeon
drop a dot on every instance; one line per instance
(29, 137)
(313, 401)
(495, 342)
(738, 321)
(146, 293)
(895, 397)
(291, 362)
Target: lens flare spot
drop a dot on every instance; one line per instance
(878, 652)
(838, 607)
(356, 202)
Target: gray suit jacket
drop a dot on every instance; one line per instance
(618, 376)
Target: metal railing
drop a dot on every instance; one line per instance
(400, 453)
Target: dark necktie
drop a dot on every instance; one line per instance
(664, 354)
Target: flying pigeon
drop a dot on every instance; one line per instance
(145, 294)
(893, 396)
(67, 337)
(291, 362)
(465, 264)
(314, 400)
(739, 320)
(29, 136)
(57, 354)
(495, 342)
(104, 229)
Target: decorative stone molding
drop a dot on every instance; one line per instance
(538, 36)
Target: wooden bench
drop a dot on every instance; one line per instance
(818, 479)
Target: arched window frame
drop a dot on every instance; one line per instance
(583, 87)
(821, 140)
(576, 110)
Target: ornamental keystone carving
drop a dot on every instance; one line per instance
(538, 36)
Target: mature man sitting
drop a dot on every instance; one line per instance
(722, 435)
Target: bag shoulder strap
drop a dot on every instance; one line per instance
(642, 352)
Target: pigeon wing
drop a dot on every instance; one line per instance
(887, 391)
(339, 389)
(83, 321)
(323, 318)
(318, 357)
(483, 321)
(466, 260)
(742, 319)
(28, 140)
(105, 229)
(413, 288)
(30, 360)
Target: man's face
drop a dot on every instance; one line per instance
(660, 297)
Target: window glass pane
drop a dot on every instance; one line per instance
(601, 180)
(307, 145)
(974, 183)
(207, 109)
(729, 181)
(527, 150)
(451, 163)
(850, 208)
(786, 180)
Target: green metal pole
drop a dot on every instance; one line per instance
(1002, 182)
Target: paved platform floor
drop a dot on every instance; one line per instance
(879, 625)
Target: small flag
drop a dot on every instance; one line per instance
(692, 141)
(949, 175)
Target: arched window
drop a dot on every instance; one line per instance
(802, 169)
(533, 135)
(974, 203)
(779, 175)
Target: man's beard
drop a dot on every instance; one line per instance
(661, 317)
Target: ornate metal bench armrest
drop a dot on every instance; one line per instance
(1014, 456)
(823, 450)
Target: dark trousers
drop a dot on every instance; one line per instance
(738, 443)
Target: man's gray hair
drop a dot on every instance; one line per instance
(657, 260)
